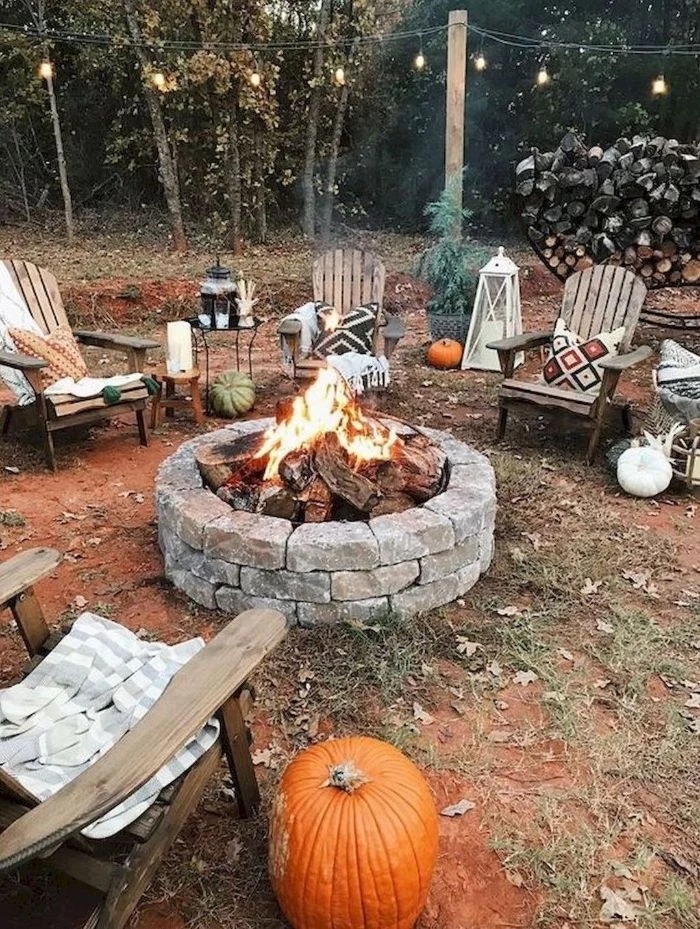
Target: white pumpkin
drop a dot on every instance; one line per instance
(644, 471)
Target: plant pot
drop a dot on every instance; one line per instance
(448, 326)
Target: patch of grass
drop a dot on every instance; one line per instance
(11, 518)
(678, 901)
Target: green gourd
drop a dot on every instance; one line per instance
(232, 394)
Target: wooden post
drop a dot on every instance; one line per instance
(456, 99)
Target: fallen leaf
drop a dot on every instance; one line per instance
(466, 646)
(517, 554)
(501, 705)
(615, 907)
(565, 654)
(589, 587)
(678, 862)
(421, 715)
(12, 469)
(525, 678)
(499, 735)
(601, 683)
(79, 602)
(533, 538)
(603, 626)
(494, 668)
(515, 878)
(509, 611)
(693, 702)
(458, 809)
(232, 850)
(262, 756)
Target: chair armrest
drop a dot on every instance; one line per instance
(622, 362)
(197, 691)
(517, 343)
(25, 569)
(20, 362)
(114, 341)
(289, 327)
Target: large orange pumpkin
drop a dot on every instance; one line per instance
(353, 837)
(445, 353)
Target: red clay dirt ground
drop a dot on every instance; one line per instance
(582, 776)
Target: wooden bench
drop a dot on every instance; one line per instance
(212, 683)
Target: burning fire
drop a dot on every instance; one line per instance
(326, 406)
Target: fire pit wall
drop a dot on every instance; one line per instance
(405, 563)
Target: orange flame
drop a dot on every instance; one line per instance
(326, 406)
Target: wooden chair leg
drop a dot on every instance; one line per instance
(142, 425)
(145, 858)
(196, 401)
(169, 394)
(234, 739)
(48, 445)
(595, 434)
(502, 419)
(5, 417)
(156, 408)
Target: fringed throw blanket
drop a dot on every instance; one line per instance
(91, 689)
(362, 372)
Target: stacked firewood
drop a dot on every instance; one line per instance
(636, 203)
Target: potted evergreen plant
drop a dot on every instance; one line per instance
(451, 267)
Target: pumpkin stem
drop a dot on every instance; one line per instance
(345, 777)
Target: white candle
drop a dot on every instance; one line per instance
(179, 347)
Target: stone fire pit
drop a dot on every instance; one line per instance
(403, 563)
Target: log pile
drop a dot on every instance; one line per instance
(321, 483)
(636, 203)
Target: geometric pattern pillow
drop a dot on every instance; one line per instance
(352, 334)
(679, 370)
(575, 364)
(59, 350)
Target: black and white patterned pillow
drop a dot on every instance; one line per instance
(353, 333)
(679, 370)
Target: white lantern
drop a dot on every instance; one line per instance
(496, 314)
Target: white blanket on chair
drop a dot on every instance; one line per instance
(91, 689)
(362, 372)
(88, 387)
(308, 318)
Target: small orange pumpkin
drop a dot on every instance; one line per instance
(353, 837)
(445, 353)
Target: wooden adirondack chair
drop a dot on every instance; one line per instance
(596, 300)
(122, 867)
(42, 296)
(345, 278)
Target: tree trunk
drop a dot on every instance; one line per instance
(61, 160)
(308, 223)
(339, 122)
(233, 180)
(166, 159)
(260, 192)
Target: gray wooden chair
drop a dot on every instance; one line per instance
(345, 278)
(50, 414)
(213, 682)
(599, 299)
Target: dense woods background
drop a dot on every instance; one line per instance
(223, 156)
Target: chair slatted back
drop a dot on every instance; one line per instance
(601, 299)
(41, 294)
(348, 277)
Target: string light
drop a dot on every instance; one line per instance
(542, 76)
(419, 61)
(254, 78)
(659, 86)
(339, 76)
(158, 80)
(480, 62)
(45, 70)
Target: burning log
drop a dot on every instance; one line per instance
(220, 460)
(335, 470)
(423, 467)
(637, 204)
(317, 500)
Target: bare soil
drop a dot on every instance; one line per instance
(583, 772)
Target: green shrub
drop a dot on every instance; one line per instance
(451, 265)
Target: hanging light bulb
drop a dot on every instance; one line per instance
(254, 78)
(339, 76)
(45, 70)
(158, 80)
(659, 86)
(419, 61)
(480, 62)
(542, 76)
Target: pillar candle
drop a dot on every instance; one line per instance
(179, 347)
